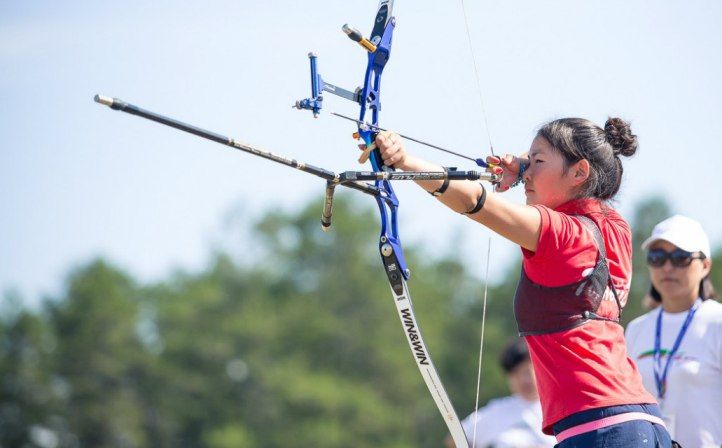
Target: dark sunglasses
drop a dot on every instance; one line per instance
(678, 257)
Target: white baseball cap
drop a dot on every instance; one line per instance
(683, 232)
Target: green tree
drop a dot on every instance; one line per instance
(26, 395)
(298, 346)
(99, 356)
(306, 340)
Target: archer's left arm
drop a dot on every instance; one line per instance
(520, 224)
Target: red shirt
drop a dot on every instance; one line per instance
(586, 367)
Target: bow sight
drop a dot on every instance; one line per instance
(379, 50)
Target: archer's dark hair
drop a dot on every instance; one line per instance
(514, 354)
(577, 139)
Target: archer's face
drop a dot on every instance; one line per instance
(546, 182)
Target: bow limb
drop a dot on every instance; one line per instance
(368, 98)
(389, 241)
(420, 352)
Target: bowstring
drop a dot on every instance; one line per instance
(481, 341)
(477, 79)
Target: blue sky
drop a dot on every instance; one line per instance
(78, 180)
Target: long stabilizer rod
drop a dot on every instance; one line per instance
(116, 104)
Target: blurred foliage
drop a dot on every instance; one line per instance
(647, 214)
(301, 348)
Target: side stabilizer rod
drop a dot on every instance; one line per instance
(117, 104)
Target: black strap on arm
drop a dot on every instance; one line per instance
(479, 204)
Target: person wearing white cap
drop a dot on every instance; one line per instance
(678, 346)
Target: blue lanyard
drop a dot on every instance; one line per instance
(661, 379)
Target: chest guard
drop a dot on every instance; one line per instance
(543, 309)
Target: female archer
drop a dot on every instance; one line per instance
(575, 277)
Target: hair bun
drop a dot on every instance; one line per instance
(618, 133)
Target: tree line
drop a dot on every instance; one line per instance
(301, 349)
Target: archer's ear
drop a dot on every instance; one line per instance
(581, 171)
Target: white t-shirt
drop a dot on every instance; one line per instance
(692, 405)
(509, 422)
